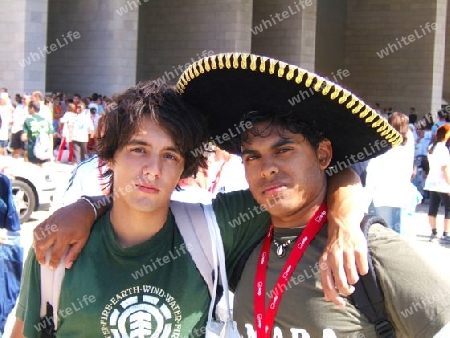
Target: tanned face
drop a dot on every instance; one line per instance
(285, 172)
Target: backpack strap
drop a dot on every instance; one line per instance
(193, 226)
(51, 281)
(368, 296)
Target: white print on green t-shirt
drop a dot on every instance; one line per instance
(141, 311)
(295, 332)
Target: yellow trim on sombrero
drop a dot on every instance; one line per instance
(291, 72)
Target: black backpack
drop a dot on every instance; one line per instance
(367, 297)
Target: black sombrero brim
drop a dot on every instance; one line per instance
(226, 86)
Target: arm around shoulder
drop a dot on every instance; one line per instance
(68, 226)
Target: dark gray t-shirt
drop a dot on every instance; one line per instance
(417, 292)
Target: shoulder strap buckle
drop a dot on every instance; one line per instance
(385, 329)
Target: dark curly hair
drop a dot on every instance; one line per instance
(282, 121)
(163, 105)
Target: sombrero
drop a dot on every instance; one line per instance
(224, 87)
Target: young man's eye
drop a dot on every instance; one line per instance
(250, 158)
(172, 157)
(283, 150)
(138, 150)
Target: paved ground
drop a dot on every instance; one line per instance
(419, 228)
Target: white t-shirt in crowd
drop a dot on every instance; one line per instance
(93, 105)
(68, 120)
(388, 180)
(6, 115)
(45, 112)
(18, 118)
(82, 127)
(436, 179)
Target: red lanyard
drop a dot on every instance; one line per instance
(264, 319)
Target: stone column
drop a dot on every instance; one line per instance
(395, 52)
(23, 58)
(101, 57)
(285, 30)
(173, 34)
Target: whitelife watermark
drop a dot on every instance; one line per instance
(296, 280)
(63, 313)
(36, 56)
(130, 6)
(220, 139)
(279, 17)
(404, 41)
(258, 209)
(359, 157)
(171, 256)
(305, 94)
(178, 70)
(423, 303)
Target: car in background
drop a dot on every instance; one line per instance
(32, 186)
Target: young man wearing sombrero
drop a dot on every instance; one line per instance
(289, 149)
(149, 143)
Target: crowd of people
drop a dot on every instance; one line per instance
(407, 175)
(69, 121)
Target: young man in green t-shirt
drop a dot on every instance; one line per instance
(33, 126)
(149, 142)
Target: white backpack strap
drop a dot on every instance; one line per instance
(51, 282)
(191, 222)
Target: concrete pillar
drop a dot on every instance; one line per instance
(103, 58)
(285, 30)
(173, 34)
(23, 58)
(330, 37)
(395, 52)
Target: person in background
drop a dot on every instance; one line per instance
(11, 253)
(66, 127)
(388, 181)
(6, 111)
(83, 128)
(438, 182)
(57, 114)
(44, 110)
(441, 121)
(76, 100)
(32, 128)
(19, 116)
(91, 146)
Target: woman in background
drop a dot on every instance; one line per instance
(438, 182)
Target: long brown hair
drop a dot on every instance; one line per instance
(165, 106)
(442, 135)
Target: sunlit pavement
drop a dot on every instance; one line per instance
(419, 228)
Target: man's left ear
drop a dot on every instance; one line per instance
(324, 154)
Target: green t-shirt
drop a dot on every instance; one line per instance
(32, 126)
(414, 287)
(150, 289)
